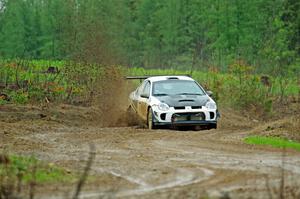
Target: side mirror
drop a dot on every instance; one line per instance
(209, 93)
(144, 95)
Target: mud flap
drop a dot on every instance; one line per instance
(218, 114)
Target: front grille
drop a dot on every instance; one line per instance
(196, 107)
(183, 107)
(188, 117)
(179, 107)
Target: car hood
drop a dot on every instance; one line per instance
(184, 100)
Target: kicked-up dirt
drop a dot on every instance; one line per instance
(132, 162)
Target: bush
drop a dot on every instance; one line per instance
(76, 83)
(19, 97)
(19, 173)
(240, 88)
(3, 102)
(245, 90)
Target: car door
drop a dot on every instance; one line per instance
(144, 101)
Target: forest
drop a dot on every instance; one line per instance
(178, 34)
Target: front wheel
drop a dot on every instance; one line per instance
(213, 126)
(150, 123)
(206, 127)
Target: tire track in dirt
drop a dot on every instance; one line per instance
(185, 153)
(162, 162)
(228, 160)
(183, 177)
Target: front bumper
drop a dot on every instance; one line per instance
(187, 117)
(186, 123)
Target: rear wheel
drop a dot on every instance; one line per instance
(150, 123)
(131, 117)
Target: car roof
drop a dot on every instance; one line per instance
(176, 77)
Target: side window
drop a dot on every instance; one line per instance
(146, 90)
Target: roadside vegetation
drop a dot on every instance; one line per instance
(29, 169)
(36, 82)
(273, 141)
(21, 174)
(240, 87)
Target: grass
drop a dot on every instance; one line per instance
(20, 175)
(226, 79)
(77, 80)
(30, 169)
(242, 89)
(272, 141)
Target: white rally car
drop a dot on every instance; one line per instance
(173, 101)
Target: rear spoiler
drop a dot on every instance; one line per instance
(147, 76)
(137, 77)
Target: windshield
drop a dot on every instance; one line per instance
(176, 87)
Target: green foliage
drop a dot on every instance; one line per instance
(248, 90)
(19, 97)
(3, 102)
(76, 83)
(239, 89)
(272, 141)
(30, 169)
(28, 81)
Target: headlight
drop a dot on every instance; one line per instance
(211, 105)
(163, 107)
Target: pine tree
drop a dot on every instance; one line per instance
(13, 30)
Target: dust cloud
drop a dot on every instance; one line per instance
(111, 97)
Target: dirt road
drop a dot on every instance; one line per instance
(132, 162)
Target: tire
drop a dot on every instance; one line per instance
(150, 123)
(131, 118)
(212, 126)
(197, 128)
